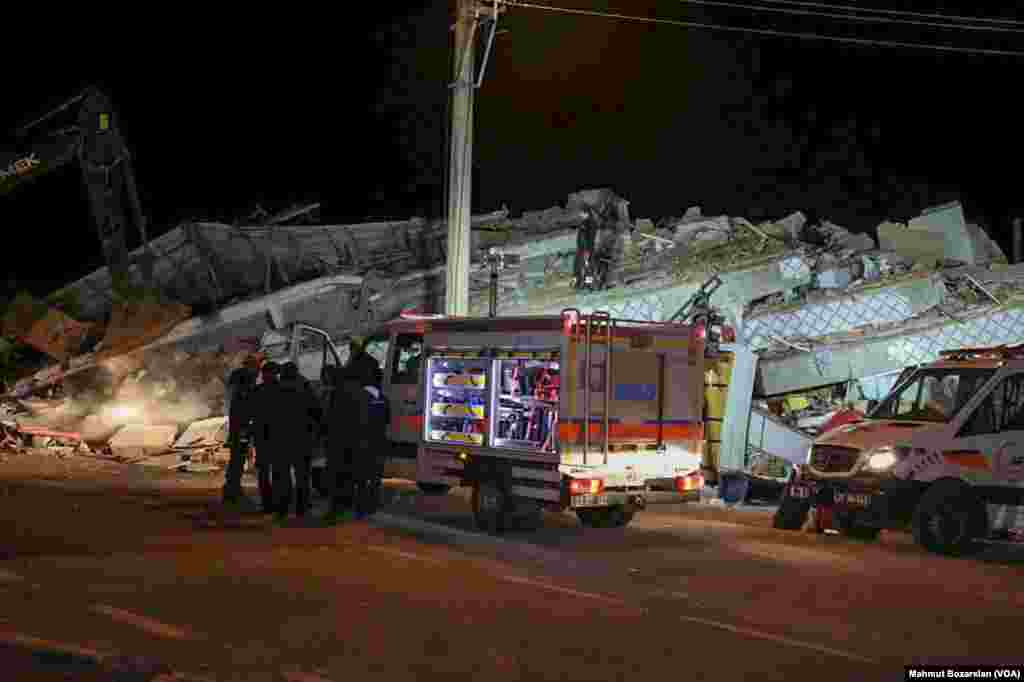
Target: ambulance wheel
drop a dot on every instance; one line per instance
(791, 514)
(950, 519)
(606, 517)
(434, 488)
(490, 507)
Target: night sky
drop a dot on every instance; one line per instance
(352, 111)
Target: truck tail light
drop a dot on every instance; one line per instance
(694, 481)
(586, 486)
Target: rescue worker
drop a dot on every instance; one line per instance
(584, 266)
(307, 414)
(347, 416)
(241, 385)
(261, 419)
(292, 432)
(361, 362)
(368, 461)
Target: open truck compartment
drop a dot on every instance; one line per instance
(508, 403)
(579, 413)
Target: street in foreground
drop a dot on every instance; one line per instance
(105, 567)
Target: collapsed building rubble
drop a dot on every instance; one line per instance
(822, 306)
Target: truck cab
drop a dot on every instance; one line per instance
(940, 451)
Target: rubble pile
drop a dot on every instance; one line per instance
(129, 408)
(155, 400)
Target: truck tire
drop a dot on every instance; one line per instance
(490, 507)
(791, 514)
(950, 519)
(527, 515)
(617, 516)
(318, 477)
(434, 488)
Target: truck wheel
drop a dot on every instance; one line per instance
(490, 507)
(950, 520)
(434, 488)
(318, 478)
(791, 514)
(606, 517)
(528, 515)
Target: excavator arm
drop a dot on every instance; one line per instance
(92, 140)
(84, 131)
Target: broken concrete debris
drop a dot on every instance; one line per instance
(168, 397)
(138, 441)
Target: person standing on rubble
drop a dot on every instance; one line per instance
(585, 264)
(241, 385)
(262, 416)
(293, 430)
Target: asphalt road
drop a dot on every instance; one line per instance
(115, 573)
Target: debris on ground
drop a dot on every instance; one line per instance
(136, 441)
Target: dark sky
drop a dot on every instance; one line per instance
(222, 114)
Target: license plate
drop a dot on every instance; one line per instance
(853, 499)
(590, 501)
(800, 491)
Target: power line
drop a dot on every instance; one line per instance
(854, 17)
(896, 12)
(766, 31)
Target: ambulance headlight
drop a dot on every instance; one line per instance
(880, 459)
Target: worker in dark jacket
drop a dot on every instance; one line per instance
(299, 423)
(241, 384)
(292, 410)
(368, 459)
(347, 416)
(262, 415)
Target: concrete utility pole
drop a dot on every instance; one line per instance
(460, 169)
(1018, 234)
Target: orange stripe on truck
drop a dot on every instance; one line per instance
(568, 433)
(967, 459)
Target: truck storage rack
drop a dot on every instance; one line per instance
(598, 327)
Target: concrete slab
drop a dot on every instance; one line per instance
(204, 433)
(142, 440)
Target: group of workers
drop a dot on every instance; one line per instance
(273, 409)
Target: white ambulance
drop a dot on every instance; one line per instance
(944, 448)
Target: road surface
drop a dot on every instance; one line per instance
(106, 569)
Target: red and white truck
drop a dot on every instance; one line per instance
(585, 412)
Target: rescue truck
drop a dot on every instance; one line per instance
(941, 451)
(600, 415)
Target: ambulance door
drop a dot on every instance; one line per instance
(989, 448)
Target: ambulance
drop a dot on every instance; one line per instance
(942, 450)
